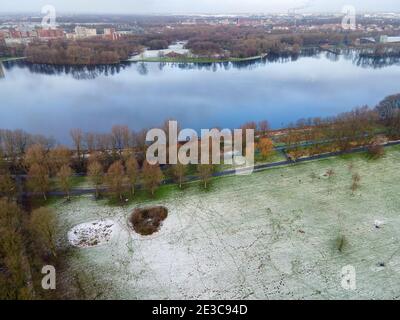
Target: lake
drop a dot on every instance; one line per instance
(52, 100)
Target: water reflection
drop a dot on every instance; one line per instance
(2, 74)
(92, 72)
(77, 72)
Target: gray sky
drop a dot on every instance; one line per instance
(195, 6)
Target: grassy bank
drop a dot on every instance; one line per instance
(4, 59)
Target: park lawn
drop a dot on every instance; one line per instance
(270, 235)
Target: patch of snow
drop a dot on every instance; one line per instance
(378, 224)
(91, 234)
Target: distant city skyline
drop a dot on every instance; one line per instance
(196, 6)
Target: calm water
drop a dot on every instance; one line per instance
(51, 101)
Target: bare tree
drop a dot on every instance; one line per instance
(263, 127)
(249, 125)
(103, 142)
(205, 172)
(77, 138)
(121, 137)
(35, 154)
(22, 140)
(139, 139)
(90, 141)
(152, 177)
(7, 185)
(115, 179)
(64, 176)
(57, 158)
(179, 170)
(132, 172)
(46, 142)
(43, 227)
(38, 178)
(96, 175)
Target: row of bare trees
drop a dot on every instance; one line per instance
(117, 166)
(342, 133)
(120, 176)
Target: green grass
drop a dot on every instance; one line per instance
(140, 196)
(38, 201)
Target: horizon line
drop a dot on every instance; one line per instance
(199, 13)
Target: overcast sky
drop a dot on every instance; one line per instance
(195, 6)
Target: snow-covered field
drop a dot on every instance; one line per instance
(270, 235)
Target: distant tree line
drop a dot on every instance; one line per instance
(81, 52)
(202, 40)
(16, 50)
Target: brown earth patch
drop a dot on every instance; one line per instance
(147, 221)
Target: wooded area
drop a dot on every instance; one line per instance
(81, 52)
(203, 40)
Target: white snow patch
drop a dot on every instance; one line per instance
(378, 223)
(92, 234)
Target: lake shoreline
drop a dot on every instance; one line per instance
(12, 59)
(198, 60)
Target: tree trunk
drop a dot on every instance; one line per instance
(44, 196)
